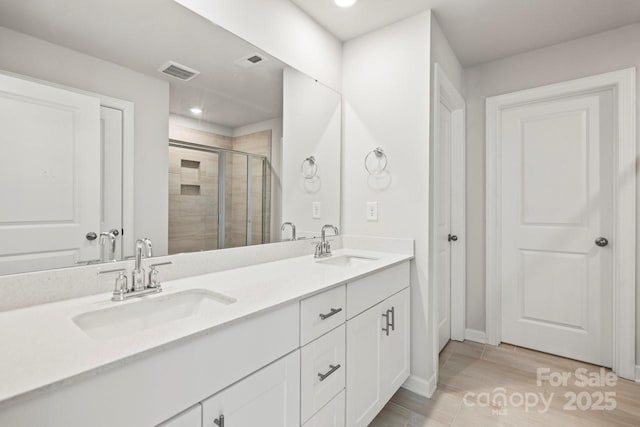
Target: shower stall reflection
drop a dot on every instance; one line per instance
(218, 198)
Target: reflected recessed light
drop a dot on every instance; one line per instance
(345, 3)
(196, 110)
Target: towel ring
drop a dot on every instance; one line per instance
(382, 160)
(310, 171)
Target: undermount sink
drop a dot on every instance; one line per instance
(149, 313)
(347, 260)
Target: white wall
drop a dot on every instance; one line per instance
(39, 59)
(311, 127)
(608, 51)
(275, 125)
(443, 54)
(282, 30)
(386, 88)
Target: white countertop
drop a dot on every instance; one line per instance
(42, 347)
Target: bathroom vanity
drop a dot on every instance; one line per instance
(293, 342)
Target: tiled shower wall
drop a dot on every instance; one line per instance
(193, 191)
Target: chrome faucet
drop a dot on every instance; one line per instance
(323, 249)
(142, 284)
(138, 276)
(293, 229)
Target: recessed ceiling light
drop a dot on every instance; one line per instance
(196, 110)
(345, 3)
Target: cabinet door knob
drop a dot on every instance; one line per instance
(602, 242)
(91, 236)
(331, 313)
(452, 238)
(219, 421)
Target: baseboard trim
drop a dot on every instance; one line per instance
(420, 386)
(475, 336)
(638, 373)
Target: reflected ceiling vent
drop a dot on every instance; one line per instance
(251, 60)
(178, 71)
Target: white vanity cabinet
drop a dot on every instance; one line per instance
(267, 398)
(377, 350)
(333, 359)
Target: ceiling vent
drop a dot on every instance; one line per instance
(251, 60)
(178, 71)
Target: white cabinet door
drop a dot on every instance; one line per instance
(395, 348)
(192, 417)
(267, 398)
(49, 176)
(377, 357)
(364, 350)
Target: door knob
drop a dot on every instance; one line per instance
(91, 236)
(602, 242)
(452, 238)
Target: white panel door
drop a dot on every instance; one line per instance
(111, 178)
(556, 201)
(442, 273)
(49, 176)
(267, 398)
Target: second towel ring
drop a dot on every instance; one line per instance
(382, 159)
(312, 170)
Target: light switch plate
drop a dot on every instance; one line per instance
(315, 210)
(372, 211)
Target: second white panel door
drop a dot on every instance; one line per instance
(556, 201)
(442, 265)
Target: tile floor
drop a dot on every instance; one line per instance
(476, 368)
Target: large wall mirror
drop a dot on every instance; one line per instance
(124, 120)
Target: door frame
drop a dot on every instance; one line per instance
(128, 165)
(445, 92)
(623, 84)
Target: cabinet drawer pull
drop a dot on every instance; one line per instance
(331, 313)
(386, 321)
(393, 318)
(332, 369)
(219, 421)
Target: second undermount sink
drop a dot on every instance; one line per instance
(156, 311)
(347, 260)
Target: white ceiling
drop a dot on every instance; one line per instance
(483, 30)
(143, 35)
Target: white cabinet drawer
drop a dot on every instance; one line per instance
(366, 292)
(322, 371)
(331, 415)
(321, 313)
(192, 417)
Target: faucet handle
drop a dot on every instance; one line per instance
(319, 250)
(115, 270)
(154, 274)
